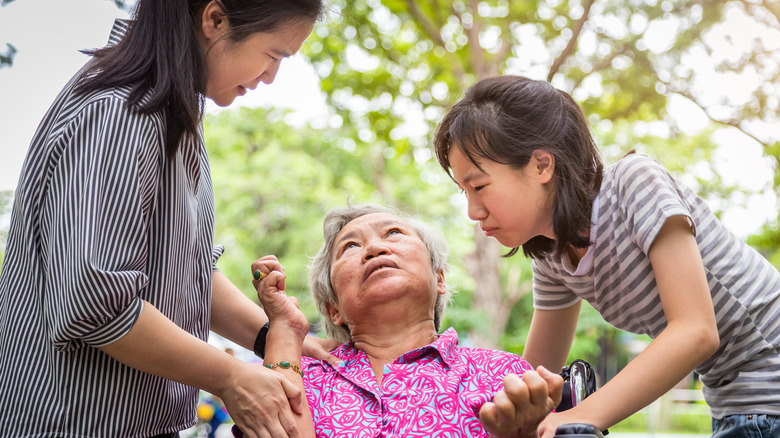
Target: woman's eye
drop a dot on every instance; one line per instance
(393, 232)
(349, 245)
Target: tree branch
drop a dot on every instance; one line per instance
(569, 49)
(477, 54)
(734, 123)
(435, 34)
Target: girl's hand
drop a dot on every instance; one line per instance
(279, 308)
(262, 402)
(549, 425)
(517, 410)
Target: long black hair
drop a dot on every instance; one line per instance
(504, 119)
(161, 58)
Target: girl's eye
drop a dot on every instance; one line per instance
(274, 59)
(478, 188)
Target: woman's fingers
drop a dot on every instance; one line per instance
(294, 395)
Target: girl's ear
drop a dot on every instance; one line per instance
(334, 313)
(213, 23)
(544, 164)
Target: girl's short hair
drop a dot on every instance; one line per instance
(504, 119)
(319, 270)
(160, 56)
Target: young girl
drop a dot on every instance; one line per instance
(108, 289)
(643, 249)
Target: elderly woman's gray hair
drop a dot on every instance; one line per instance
(319, 273)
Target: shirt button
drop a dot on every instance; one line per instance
(750, 417)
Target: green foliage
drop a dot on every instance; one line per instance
(273, 184)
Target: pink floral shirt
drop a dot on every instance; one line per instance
(436, 390)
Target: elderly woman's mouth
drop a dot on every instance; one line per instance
(377, 265)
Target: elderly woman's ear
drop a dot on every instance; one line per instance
(334, 313)
(441, 285)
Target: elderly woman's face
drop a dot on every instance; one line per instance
(379, 259)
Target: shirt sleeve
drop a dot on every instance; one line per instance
(216, 253)
(648, 196)
(99, 203)
(548, 290)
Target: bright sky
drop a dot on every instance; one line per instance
(49, 33)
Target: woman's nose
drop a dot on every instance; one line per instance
(269, 74)
(374, 248)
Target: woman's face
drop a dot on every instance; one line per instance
(379, 259)
(236, 67)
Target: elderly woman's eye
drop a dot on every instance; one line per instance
(394, 231)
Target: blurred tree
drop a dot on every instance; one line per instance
(274, 182)
(390, 68)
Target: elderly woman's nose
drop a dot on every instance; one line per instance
(373, 248)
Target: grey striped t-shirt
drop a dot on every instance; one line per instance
(637, 196)
(101, 221)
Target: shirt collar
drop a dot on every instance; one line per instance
(446, 346)
(118, 31)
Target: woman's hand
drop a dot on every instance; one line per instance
(279, 308)
(320, 348)
(261, 402)
(517, 410)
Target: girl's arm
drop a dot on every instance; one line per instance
(690, 337)
(550, 337)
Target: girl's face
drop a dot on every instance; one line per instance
(234, 68)
(512, 205)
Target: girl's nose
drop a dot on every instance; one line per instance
(475, 211)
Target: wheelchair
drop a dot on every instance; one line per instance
(579, 381)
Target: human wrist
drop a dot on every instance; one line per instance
(260, 340)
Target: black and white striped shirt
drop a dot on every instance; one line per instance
(101, 221)
(637, 197)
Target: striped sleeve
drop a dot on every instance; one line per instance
(649, 197)
(97, 208)
(548, 290)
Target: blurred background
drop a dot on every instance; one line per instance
(693, 83)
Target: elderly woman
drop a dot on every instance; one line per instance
(378, 281)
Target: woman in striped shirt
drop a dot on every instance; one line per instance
(109, 277)
(644, 250)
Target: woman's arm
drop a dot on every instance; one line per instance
(256, 398)
(236, 317)
(690, 337)
(550, 337)
(517, 410)
(233, 315)
(286, 333)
